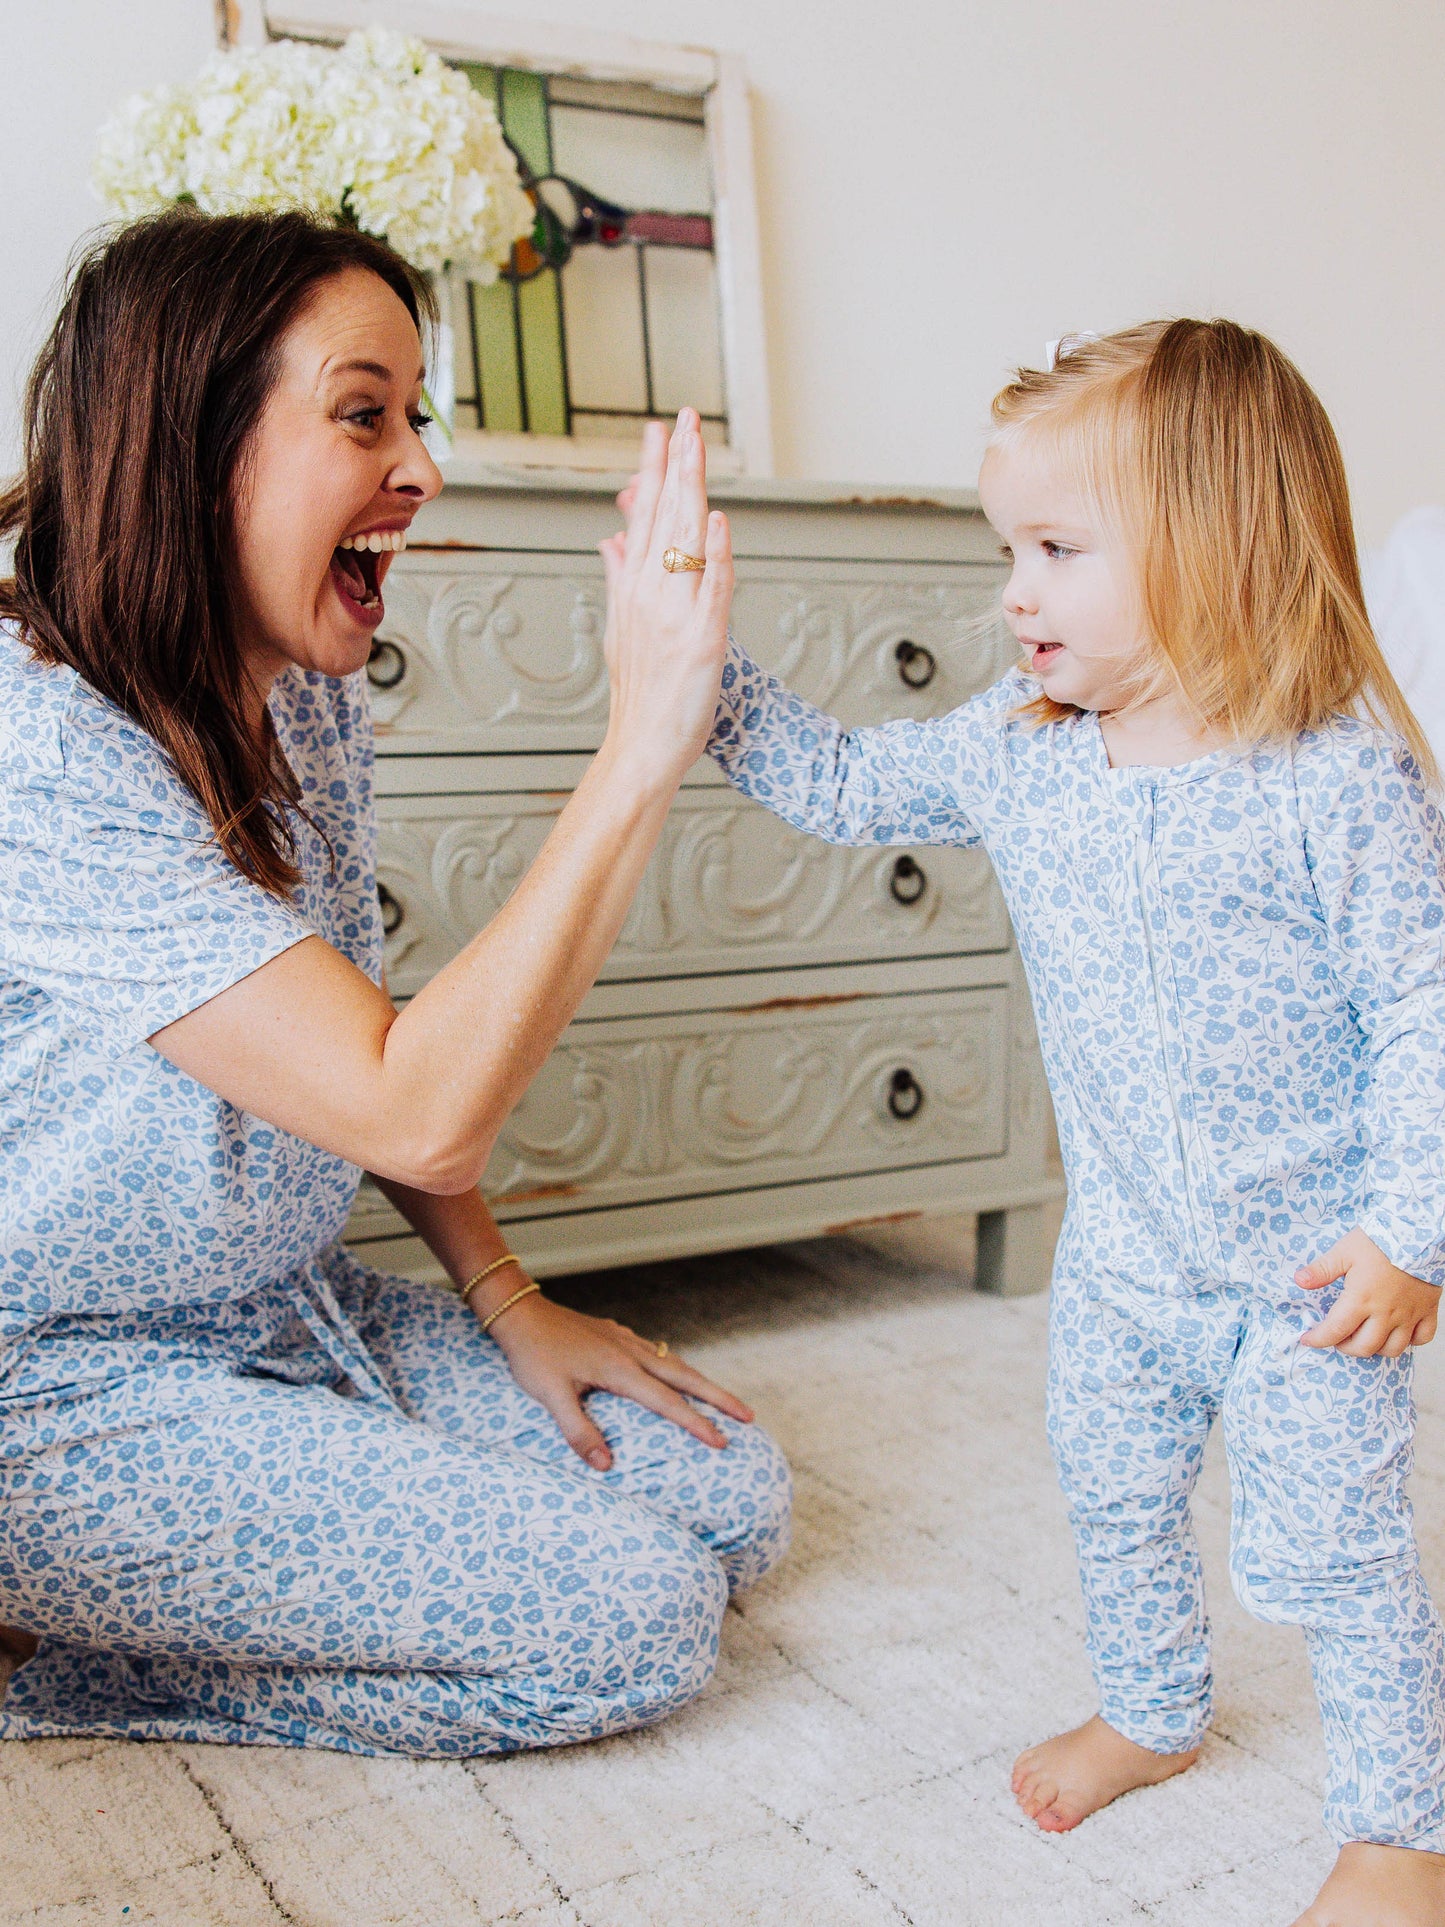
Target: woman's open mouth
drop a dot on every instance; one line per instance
(356, 572)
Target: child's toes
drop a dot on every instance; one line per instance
(1057, 1818)
(1035, 1794)
(1025, 1769)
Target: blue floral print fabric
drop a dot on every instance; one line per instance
(219, 1546)
(1238, 971)
(250, 1490)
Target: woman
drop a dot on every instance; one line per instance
(249, 1490)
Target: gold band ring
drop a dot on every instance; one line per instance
(675, 559)
(662, 1348)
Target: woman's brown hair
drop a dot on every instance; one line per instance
(1213, 463)
(139, 416)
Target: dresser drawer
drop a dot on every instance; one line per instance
(504, 653)
(730, 887)
(628, 1110)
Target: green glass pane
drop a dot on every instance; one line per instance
(494, 331)
(539, 309)
(484, 79)
(524, 117)
(521, 370)
(493, 322)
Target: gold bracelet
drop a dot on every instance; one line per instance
(507, 1258)
(507, 1304)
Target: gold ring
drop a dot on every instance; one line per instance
(662, 1348)
(675, 559)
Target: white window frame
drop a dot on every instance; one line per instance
(721, 81)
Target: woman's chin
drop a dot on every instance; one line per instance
(335, 647)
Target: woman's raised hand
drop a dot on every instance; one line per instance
(667, 632)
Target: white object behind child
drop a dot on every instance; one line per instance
(1405, 594)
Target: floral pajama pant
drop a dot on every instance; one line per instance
(1319, 1448)
(218, 1540)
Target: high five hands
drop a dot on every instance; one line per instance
(667, 626)
(1382, 1310)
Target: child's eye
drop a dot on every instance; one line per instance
(1005, 551)
(1056, 551)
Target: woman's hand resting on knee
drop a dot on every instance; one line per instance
(556, 1354)
(559, 1355)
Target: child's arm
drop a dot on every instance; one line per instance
(901, 782)
(1376, 849)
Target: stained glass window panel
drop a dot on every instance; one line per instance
(497, 346)
(682, 330)
(544, 375)
(606, 343)
(617, 318)
(636, 159)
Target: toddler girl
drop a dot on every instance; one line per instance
(1206, 801)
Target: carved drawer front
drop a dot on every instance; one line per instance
(871, 642)
(729, 888)
(633, 1109)
(504, 652)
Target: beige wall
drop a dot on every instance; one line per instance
(947, 183)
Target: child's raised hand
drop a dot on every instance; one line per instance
(1382, 1310)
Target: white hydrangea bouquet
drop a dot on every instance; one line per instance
(379, 131)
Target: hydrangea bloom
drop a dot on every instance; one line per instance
(379, 130)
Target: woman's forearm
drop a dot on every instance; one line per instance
(463, 1051)
(461, 1233)
(311, 1044)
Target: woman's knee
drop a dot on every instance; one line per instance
(755, 1512)
(655, 1644)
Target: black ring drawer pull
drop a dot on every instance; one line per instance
(905, 1094)
(392, 914)
(917, 666)
(908, 881)
(385, 666)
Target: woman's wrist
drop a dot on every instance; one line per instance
(647, 772)
(491, 1281)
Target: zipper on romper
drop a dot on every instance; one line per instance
(1146, 839)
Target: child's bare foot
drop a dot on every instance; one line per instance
(1374, 1886)
(1066, 1779)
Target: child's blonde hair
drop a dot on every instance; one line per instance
(1211, 459)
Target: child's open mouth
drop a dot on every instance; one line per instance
(1042, 651)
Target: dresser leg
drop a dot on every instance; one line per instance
(1015, 1250)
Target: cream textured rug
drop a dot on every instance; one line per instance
(849, 1766)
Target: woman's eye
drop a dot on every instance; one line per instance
(420, 422)
(365, 417)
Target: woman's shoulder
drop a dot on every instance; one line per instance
(35, 698)
(62, 741)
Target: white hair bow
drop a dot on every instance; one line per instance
(1056, 351)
